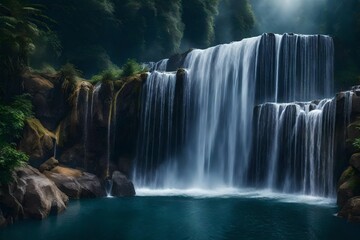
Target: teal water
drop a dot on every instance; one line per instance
(181, 217)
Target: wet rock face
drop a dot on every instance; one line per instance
(126, 124)
(177, 61)
(31, 195)
(49, 102)
(37, 141)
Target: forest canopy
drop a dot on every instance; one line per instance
(95, 35)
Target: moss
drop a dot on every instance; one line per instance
(354, 183)
(36, 125)
(347, 174)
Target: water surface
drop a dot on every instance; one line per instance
(189, 216)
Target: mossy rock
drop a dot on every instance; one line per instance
(36, 125)
(353, 130)
(349, 186)
(355, 161)
(37, 142)
(346, 175)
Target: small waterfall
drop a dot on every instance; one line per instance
(294, 147)
(221, 131)
(160, 66)
(108, 154)
(108, 187)
(86, 127)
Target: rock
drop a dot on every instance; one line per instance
(31, 195)
(48, 165)
(73, 156)
(127, 123)
(90, 186)
(41, 196)
(177, 61)
(76, 184)
(349, 186)
(66, 184)
(37, 142)
(67, 171)
(2, 219)
(351, 210)
(353, 130)
(50, 103)
(355, 161)
(122, 187)
(356, 103)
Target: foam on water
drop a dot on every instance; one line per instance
(267, 194)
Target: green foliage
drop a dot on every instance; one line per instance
(356, 143)
(46, 69)
(12, 118)
(146, 30)
(131, 67)
(70, 72)
(199, 30)
(111, 74)
(10, 158)
(20, 25)
(12, 122)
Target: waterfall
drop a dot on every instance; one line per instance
(86, 127)
(227, 142)
(294, 146)
(160, 65)
(108, 144)
(156, 125)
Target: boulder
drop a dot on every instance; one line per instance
(49, 164)
(37, 141)
(75, 183)
(355, 161)
(90, 186)
(353, 130)
(351, 210)
(348, 187)
(66, 184)
(122, 187)
(70, 172)
(31, 195)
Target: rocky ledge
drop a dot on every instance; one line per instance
(35, 195)
(348, 188)
(30, 195)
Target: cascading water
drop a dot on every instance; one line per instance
(294, 147)
(160, 65)
(156, 125)
(221, 89)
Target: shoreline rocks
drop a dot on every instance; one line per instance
(122, 187)
(30, 195)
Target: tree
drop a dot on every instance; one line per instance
(20, 24)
